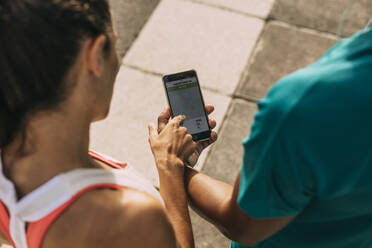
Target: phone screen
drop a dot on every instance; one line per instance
(185, 98)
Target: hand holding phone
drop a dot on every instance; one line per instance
(185, 98)
(163, 120)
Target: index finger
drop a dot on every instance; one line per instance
(178, 119)
(163, 119)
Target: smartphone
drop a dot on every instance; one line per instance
(185, 98)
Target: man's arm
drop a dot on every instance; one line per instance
(217, 202)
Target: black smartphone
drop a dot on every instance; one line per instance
(185, 98)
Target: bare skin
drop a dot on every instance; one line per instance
(179, 146)
(99, 218)
(216, 201)
(3, 239)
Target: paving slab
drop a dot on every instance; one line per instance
(281, 50)
(206, 235)
(129, 18)
(182, 35)
(259, 8)
(225, 158)
(138, 99)
(323, 15)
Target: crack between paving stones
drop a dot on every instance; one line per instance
(223, 121)
(227, 9)
(246, 99)
(304, 28)
(158, 74)
(245, 71)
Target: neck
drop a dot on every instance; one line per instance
(54, 143)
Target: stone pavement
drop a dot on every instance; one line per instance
(240, 49)
(129, 17)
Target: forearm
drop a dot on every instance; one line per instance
(210, 198)
(173, 192)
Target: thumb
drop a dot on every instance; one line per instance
(152, 130)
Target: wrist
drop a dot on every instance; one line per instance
(172, 187)
(189, 174)
(169, 164)
(170, 167)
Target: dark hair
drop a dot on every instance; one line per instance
(39, 42)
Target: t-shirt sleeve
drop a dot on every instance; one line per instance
(276, 180)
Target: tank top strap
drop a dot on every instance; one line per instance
(63, 187)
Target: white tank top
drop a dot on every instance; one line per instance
(60, 189)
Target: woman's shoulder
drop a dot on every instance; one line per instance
(111, 218)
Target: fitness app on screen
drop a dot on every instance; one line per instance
(184, 96)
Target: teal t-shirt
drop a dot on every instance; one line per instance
(310, 152)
